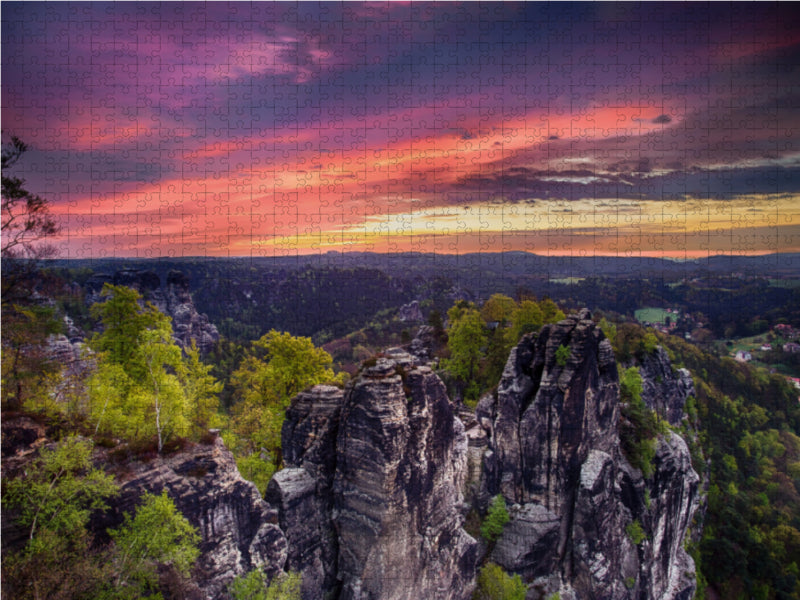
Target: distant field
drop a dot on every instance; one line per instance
(568, 280)
(653, 315)
(785, 283)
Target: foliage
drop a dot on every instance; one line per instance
(27, 369)
(143, 387)
(635, 532)
(466, 338)
(562, 355)
(639, 426)
(202, 392)
(496, 584)
(496, 519)
(26, 225)
(158, 534)
(253, 586)
(257, 468)
(277, 367)
(526, 318)
(749, 421)
(52, 500)
(498, 309)
(609, 329)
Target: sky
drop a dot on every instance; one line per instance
(274, 129)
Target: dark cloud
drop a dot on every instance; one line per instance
(662, 120)
(526, 184)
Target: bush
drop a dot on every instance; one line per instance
(496, 584)
(635, 532)
(562, 355)
(253, 586)
(496, 518)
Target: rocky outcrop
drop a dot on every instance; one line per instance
(173, 299)
(583, 521)
(410, 312)
(239, 530)
(665, 390)
(387, 506)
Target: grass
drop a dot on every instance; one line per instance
(785, 283)
(654, 315)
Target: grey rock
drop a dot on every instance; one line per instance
(370, 503)
(239, 531)
(410, 312)
(402, 456)
(553, 452)
(663, 389)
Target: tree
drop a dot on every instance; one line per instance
(136, 391)
(27, 368)
(158, 534)
(550, 311)
(498, 308)
(496, 584)
(466, 338)
(562, 355)
(253, 586)
(639, 426)
(26, 223)
(526, 318)
(202, 391)
(496, 519)
(278, 367)
(52, 500)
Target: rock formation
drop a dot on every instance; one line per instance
(583, 521)
(663, 390)
(239, 530)
(382, 518)
(173, 299)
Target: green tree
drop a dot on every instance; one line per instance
(158, 534)
(562, 355)
(550, 311)
(639, 426)
(466, 338)
(52, 500)
(496, 584)
(202, 392)
(278, 367)
(253, 586)
(136, 392)
(526, 318)
(496, 519)
(27, 368)
(498, 308)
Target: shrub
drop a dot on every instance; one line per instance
(496, 584)
(635, 532)
(562, 355)
(496, 518)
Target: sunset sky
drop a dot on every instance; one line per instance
(262, 129)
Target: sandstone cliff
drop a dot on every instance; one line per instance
(371, 501)
(239, 530)
(583, 521)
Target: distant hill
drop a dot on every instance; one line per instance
(328, 295)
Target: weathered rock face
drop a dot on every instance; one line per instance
(239, 530)
(576, 503)
(173, 299)
(663, 390)
(388, 506)
(302, 493)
